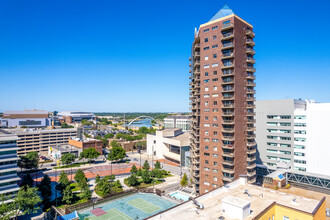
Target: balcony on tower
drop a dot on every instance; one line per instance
(227, 45)
(250, 69)
(227, 26)
(250, 50)
(227, 55)
(228, 80)
(250, 60)
(197, 46)
(227, 36)
(250, 33)
(228, 88)
(227, 64)
(227, 72)
(250, 42)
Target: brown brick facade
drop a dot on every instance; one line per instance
(219, 92)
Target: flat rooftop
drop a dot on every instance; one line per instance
(260, 198)
(36, 130)
(66, 147)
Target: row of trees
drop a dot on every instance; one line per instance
(65, 187)
(129, 137)
(88, 154)
(144, 175)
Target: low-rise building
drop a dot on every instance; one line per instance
(8, 165)
(243, 201)
(73, 116)
(31, 140)
(170, 144)
(178, 121)
(58, 151)
(27, 118)
(87, 143)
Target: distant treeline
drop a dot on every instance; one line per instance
(132, 115)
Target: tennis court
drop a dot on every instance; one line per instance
(134, 206)
(143, 205)
(112, 214)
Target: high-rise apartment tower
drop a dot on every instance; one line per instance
(222, 102)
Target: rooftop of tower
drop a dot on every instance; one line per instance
(224, 11)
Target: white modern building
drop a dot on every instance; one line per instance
(178, 121)
(170, 144)
(296, 132)
(77, 116)
(27, 118)
(8, 165)
(56, 152)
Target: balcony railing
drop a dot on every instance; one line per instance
(229, 97)
(252, 151)
(250, 60)
(250, 76)
(250, 33)
(228, 138)
(227, 26)
(250, 69)
(250, 51)
(250, 42)
(228, 179)
(228, 130)
(228, 170)
(227, 55)
(251, 166)
(253, 173)
(228, 122)
(227, 65)
(228, 81)
(227, 45)
(251, 91)
(227, 105)
(249, 159)
(227, 113)
(227, 73)
(197, 46)
(228, 162)
(228, 89)
(227, 36)
(250, 181)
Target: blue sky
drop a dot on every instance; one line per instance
(132, 56)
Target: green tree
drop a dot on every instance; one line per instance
(117, 153)
(89, 154)
(80, 177)
(67, 195)
(157, 173)
(109, 136)
(68, 158)
(30, 161)
(133, 169)
(112, 177)
(86, 193)
(63, 182)
(157, 165)
(25, 201)
(103, 188)
(65, 125)
(141, 144)
(85, 122)
(139, 172)
(7, 210)
(146, 176)
(133, 180)
(184, 180)
(27, 181)
(45, 190)
(97, 178)
(146, 165)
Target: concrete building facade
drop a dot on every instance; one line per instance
(295, 132)
(222, 101)
(8, 165)
(170, 144)
(39, 140)
(178, 121)
(27, 118)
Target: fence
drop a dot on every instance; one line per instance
(110, 197)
